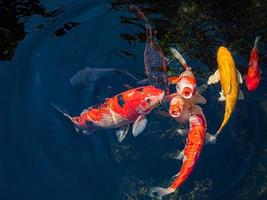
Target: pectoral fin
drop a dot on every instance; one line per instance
(182, 132)
(239, 77)
(241, 95)
(88, 131)
(222, 97)
(202, 88)
(180, 156)
(128, 86)
(198, 99)
(214, 78)
(139, 125)
(122, 132)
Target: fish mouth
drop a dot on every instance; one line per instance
(187, 93)
(175, 113)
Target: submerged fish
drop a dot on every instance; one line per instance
(120, 111)
(90, 75)
(230, 78)
(253, 76)
(154, 59)
(195, 141)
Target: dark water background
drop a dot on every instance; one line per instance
(44, 43)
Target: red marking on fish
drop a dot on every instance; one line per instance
(173, 80)
(254, 72)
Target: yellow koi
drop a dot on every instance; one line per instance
(230, 78)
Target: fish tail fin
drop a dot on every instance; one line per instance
(65, 113)
(210, 139)
(61, 110)
(149, 30)
(179, 56)
(138, 12)
(219, 130)
(226, 118)
(158, 192)
(256, 42)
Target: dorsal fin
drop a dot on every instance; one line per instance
(229, 88)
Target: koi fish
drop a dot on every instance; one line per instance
(195, 141)
(186, 82)
(186, 91)
(179, 107)
(154, 59)
(253, 76)
(230, 79)
(120, 111)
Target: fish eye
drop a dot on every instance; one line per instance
(147, 99)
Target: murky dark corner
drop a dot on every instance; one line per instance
(43, 44)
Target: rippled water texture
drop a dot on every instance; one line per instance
(43, 44)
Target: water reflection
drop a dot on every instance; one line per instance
(199, 28)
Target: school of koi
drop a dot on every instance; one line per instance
(133, 105)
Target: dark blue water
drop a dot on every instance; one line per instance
(41, 155)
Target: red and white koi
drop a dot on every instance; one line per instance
(253, 76)
(186, 91)
(186, 83)
(179, 107)
(120, 111)
(194, 144)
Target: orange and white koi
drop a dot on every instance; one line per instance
(195, 141)
(120, 111)
(253, 76)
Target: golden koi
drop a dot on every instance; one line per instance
(230, 78)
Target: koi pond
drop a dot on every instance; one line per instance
(44, 45)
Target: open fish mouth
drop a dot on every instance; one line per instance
(175, 113)
(187, 93)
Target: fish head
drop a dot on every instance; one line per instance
(82, 122)
(152, 96)
(223, 51)
(186, 86)
(148, 97)
(176, 106)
